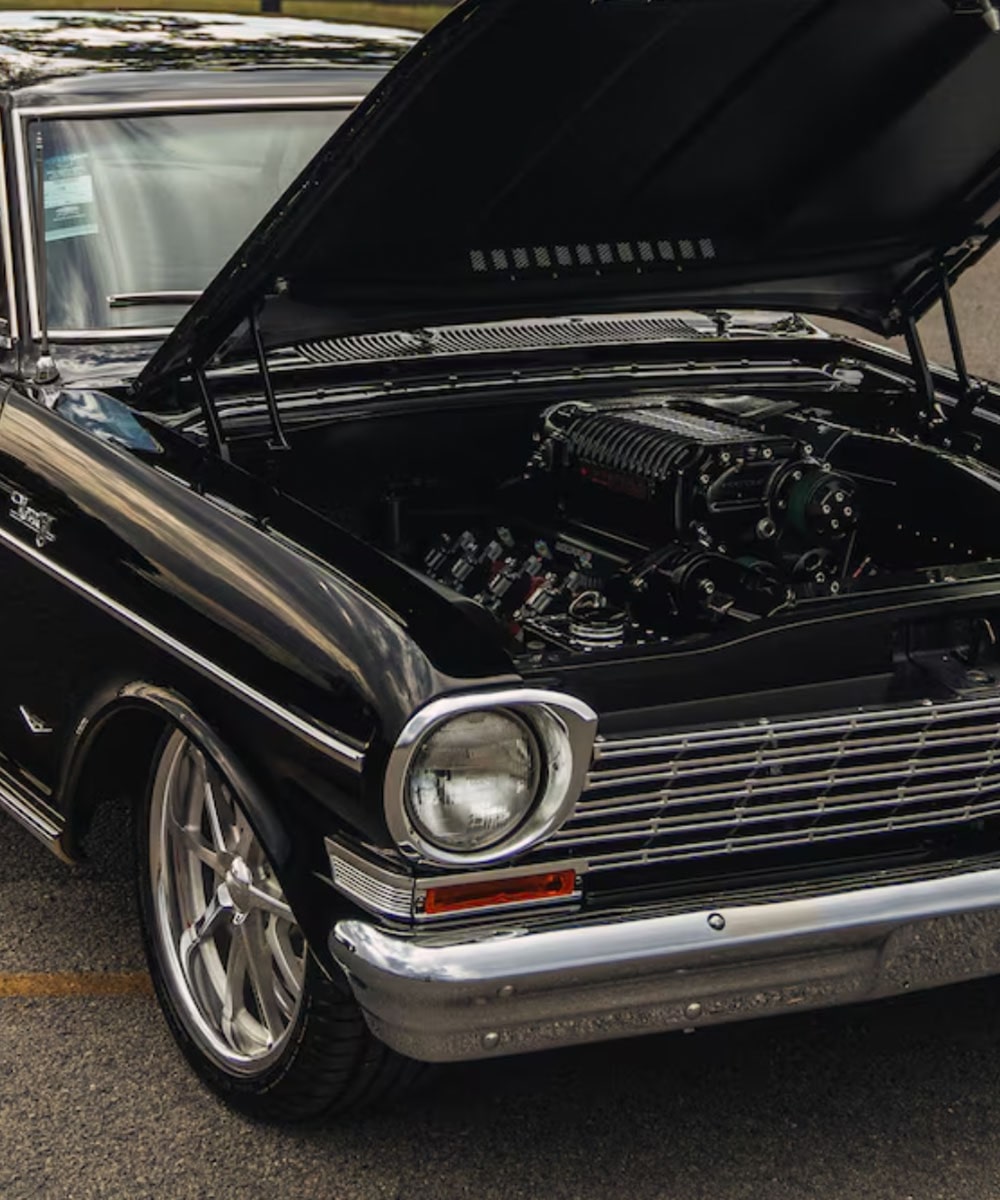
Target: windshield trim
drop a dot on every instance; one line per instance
(7, 240)
(25, 116)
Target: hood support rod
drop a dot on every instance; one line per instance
(918, 357)
(278, 441)
(969, 389)
(213, 426)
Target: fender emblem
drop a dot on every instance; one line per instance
(39, 522)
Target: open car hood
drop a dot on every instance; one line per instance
(554, 156)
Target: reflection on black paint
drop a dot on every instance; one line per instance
(106, 418)
(47, 45)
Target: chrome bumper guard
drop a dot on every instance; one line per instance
(444, 998)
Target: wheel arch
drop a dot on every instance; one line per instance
(113, 751)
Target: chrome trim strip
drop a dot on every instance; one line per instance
(585, 979)
(41, 112)
(345, 754)
(565, 729)
(27, 209)
(131, 333)
(7, 240)
(206, 104)
(15, 802)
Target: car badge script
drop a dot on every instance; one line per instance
(39, 522)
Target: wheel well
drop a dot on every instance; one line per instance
(110, 776)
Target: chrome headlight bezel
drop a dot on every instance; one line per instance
(564, 729)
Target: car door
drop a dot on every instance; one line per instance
(24, 611)
(49, 637)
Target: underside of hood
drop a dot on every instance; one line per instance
(553, 156)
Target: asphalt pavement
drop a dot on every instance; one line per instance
(894, 1100)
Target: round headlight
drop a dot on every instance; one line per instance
(473, 780)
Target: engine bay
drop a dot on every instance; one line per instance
(642, 520)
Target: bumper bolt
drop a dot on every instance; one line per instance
(717, 922)
(491, 1041)
(693, 1011)
(506, 991)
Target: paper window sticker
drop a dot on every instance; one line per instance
(70, 210)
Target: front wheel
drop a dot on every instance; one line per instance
(255, 1015)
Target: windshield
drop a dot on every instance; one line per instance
(142, 211)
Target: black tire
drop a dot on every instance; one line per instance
(285, 1053)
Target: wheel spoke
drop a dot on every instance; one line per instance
(260, 969)
(233, 1002)
(286, 1003)
(212, 812)
(290, 966)
(200, 931)
(190, 837)
(243, 833)
(265, 902)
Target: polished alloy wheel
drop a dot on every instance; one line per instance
(234, 958)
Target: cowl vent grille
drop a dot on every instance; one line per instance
(542, 334)
(782, 784)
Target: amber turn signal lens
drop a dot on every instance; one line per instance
(455, 897)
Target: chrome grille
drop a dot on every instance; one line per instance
(779, 784)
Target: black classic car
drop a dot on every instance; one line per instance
(505, 619)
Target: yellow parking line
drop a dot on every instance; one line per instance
(48, 985)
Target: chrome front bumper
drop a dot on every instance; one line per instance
(444, 998)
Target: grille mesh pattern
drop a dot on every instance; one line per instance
(782, 784)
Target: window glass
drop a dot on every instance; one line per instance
(141, 206)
